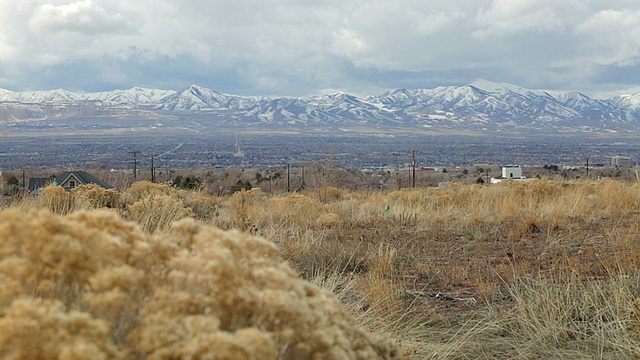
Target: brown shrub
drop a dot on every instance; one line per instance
(42, 329)
(92, 285)
(157, 212)
(204, 205)
(52, 257)
(245, 209)
(57, 200)
(144, 189)
(294, 209)
(329, 194)
(327, 220)
(92, 196)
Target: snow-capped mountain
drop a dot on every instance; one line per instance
(200, 98)
(136, 96)
(352, 108)
(480, 107)
(57, 96)
(5, 94)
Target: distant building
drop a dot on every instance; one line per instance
(68, 180)
(72, 179)
(621, 161)
(511, 172)
(37, 184)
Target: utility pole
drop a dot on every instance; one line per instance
(413, 167)
(153, 170)
(135, 164)
(324, 180)
(587, 167)
(288, 177)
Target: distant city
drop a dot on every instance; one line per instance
(199, 128)
(357, 151)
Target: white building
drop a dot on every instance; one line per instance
(621, 161)
(511, 172)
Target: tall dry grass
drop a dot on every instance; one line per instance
(575, 319)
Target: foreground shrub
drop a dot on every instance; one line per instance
(92, 285)
(59, 334)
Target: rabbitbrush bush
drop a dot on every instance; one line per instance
(91, 285)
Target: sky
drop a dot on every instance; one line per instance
(310, 47)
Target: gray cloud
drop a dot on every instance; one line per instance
(294, 47)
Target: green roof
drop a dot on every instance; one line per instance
(83, 177)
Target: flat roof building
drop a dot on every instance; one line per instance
(621, 161)
(512, 172)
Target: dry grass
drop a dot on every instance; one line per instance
(514, 270)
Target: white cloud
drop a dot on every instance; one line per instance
(395, 35)
(84, 17)
(7, 50)
(613, 37)
(511, 17)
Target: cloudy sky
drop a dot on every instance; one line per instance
(305, 47)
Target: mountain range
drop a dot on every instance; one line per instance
(481, 107)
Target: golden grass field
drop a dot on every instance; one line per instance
(513, 270)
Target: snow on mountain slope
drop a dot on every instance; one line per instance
(627, 100)
(398, 97)
(351, 108)
(57, 96)
(480, 106)
(493, 87)
(582, 102)
(5, 95)
(131, 97)
(197, 97)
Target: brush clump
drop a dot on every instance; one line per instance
(90, 284)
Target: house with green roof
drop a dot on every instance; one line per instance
(72, 179)
(68, 180)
